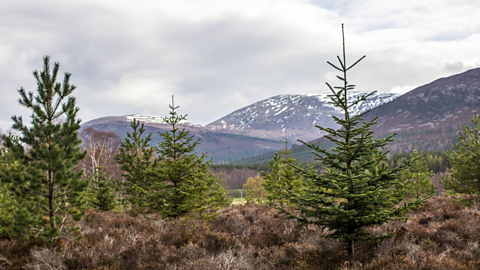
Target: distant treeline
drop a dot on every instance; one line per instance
(437, 161)
(235, 175)
(258, 166)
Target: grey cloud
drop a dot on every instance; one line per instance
(217, 56)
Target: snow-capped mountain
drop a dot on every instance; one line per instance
(253, 130)
(427, 118)
(295, 114)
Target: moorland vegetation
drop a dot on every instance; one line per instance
(98, 203)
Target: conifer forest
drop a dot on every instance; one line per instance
(360, 196)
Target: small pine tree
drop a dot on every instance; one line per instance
(137, 160)
(53, 149)
(283, 177)
(254, 190)
(184, 178)
(8, 207)
(8, 203)
(15, 216)
(416, 181)
(354, 190)
(465, 160)
(103, 193)
(207, 194)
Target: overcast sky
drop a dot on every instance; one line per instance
(216, 56)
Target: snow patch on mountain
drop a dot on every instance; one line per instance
(151, 119)
(295, 113)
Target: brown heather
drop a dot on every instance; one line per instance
(443, 234)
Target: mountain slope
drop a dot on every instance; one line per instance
(297, 114)
(426, 118)
(221, 147)
(430, 116)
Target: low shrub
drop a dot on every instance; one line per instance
(443, 234)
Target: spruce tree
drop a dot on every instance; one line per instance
(137, 160)
(207, 195)
(354, 189)
(183, 176)
(416, 180)
(283, 177)
(53, 148)
(103, 193)
(465, 160)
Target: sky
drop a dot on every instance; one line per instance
(216, 56)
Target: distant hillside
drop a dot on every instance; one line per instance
(251, 131)
(426, 118)
(221, 147)
(429, 117)
(297, 114)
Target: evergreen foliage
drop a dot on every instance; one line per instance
(354, 189)
(137, 159)
(15, 218)
(8, 207)
(49, 149)
(465, 160)
(10, 168)
(436, 161)
(184, 183)
(416, 181)
(282, 177)
(103, 193)
(254, 190)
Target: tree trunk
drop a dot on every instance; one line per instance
(350, 247)
(51, 204)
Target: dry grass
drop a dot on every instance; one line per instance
(443, 234)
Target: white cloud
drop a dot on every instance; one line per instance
(216, 56)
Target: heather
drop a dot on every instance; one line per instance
(442, 234)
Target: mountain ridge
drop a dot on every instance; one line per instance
(225, 145)
(427, 118)
(296, 114)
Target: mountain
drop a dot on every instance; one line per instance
(250, 131)
(426, 118)
(221, 147)
(296, 114)
(430, 116)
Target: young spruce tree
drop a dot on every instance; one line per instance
(283, 177)
(354, 190)
(137, 159)
(50, 149)
(188, 186)
(465, 160)
(416, 180)
(102, 191)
